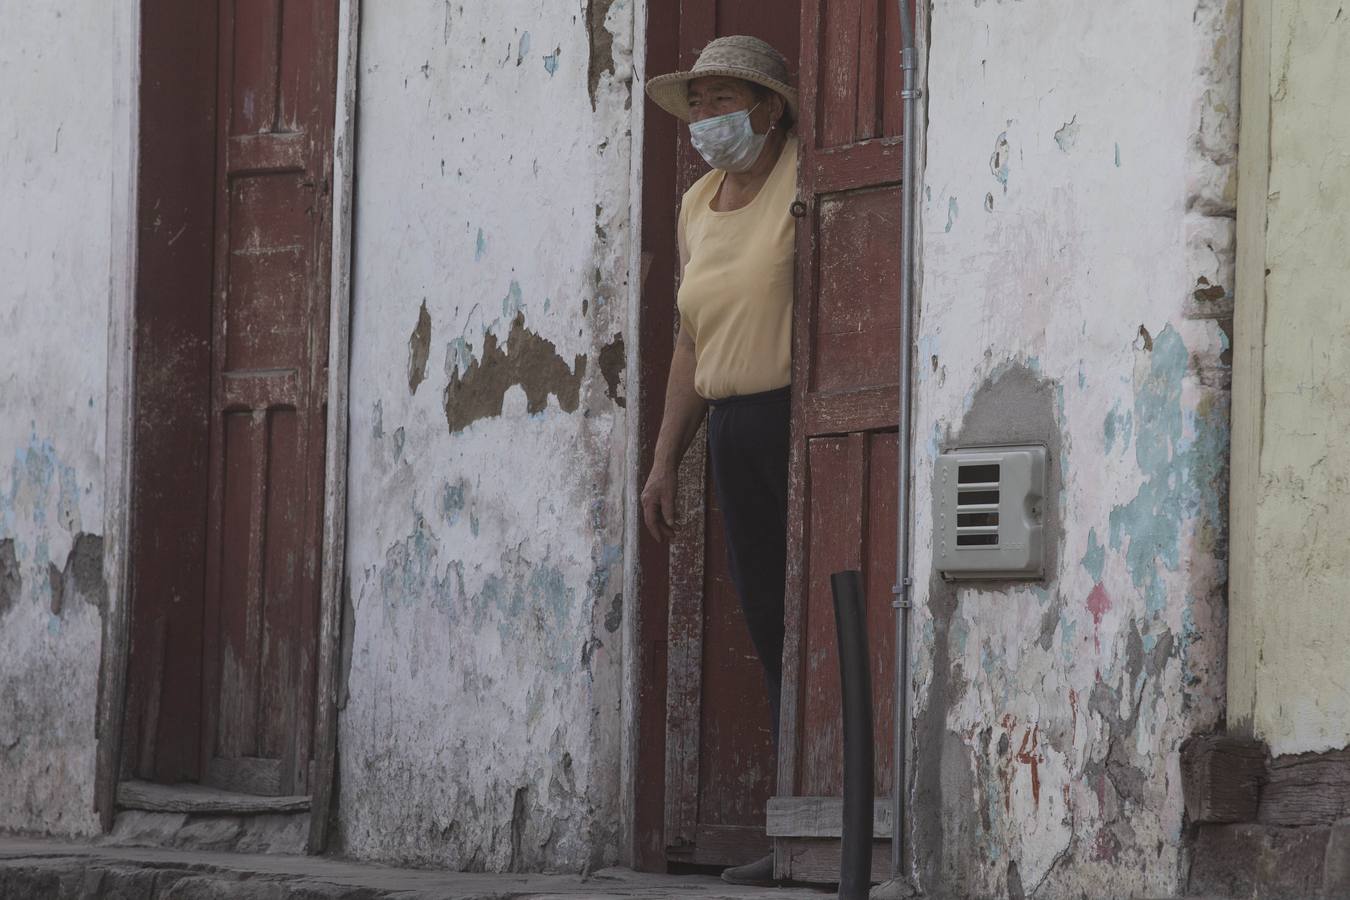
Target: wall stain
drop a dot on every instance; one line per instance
(612, 361)
(419, 349)
(529, 361)
(601, 44)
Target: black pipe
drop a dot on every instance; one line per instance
(855, 684)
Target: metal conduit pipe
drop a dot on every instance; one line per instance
(903, 582)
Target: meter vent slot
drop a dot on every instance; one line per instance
(977, 498)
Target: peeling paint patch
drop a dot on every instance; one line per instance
(529, 361)
(11, 580)
(1208, 293)
(82, 576)
(512, 303)
(480, 247)
(1067, 135)
(612, 361)
(1183, 474)
(1117, 426)
(1094, 560)
(419, 348)
(952, 212)
(524, 49)
(1000, 160)
(601, 43)
(551, 63)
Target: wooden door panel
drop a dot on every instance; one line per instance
(735, 746)
(857, 93)
(856, 324)
(277, 82)
(846, 398)
(851, 484)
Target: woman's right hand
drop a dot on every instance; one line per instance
(658, 502)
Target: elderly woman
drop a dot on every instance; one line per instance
(733, 352)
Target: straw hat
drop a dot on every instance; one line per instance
(734, 56)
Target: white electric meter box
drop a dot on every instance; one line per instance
(989, 512)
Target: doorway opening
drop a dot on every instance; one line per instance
(705, 759)
(231, 319)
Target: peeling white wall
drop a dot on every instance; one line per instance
(56, 130)
(481, 718)
(1077, 252)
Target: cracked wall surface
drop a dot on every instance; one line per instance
(1087, 296)
(55, 175)
(480, 725)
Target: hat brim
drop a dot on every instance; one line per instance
(671, 92)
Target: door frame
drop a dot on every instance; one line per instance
(121, 411)
(646, 573)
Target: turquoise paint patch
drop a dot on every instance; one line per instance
(480, 247)
(952, 211)
(453, 500)
(458, 356)
(511, 303)
(1117, 425)
(960, 634)
(1094, 560)
(551, 62)
(524, 49)
(1068, 638)
(1180, 474)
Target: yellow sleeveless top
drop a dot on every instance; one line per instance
(735, 297)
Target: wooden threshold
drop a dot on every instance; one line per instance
(820, 817)
(195, 798)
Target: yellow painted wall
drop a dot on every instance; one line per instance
(1289, 668)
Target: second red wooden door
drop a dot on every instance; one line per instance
(845, 409)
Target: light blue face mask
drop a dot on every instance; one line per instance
(728, 142)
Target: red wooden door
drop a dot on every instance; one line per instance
(845, 405)
(238, 105)
(268, 381)
(719, 750)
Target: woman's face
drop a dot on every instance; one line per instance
(717, 96)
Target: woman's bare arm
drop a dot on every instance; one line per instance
(679, 424)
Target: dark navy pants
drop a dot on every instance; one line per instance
(748, 447)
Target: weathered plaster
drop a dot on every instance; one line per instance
(1291, 460)
(1049, 714)
(481, 722)
(56, 128)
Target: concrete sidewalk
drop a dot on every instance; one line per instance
(36, 869)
